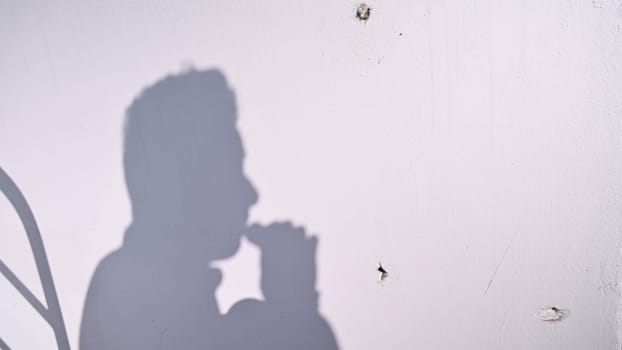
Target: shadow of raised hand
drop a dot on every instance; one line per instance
(287, 264)
(289, 317)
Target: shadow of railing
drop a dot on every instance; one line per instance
(51, 313)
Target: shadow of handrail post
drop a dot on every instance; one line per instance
(52, 313)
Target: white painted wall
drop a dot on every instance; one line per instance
(472, 147)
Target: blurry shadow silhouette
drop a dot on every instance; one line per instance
(183, 160)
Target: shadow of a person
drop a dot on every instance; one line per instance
(183, 160)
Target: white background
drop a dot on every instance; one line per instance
(461, 143)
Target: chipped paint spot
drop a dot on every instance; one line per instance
(551, 314)
(363, 11)
(382, 273)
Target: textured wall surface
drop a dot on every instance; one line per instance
(472, 147)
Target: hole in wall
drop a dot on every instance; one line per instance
(363, 11)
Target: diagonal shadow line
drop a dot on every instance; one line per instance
(3, 345)
(24, 291)
(19, 203)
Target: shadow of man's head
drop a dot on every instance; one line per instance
(184, 166)
(190, 198)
